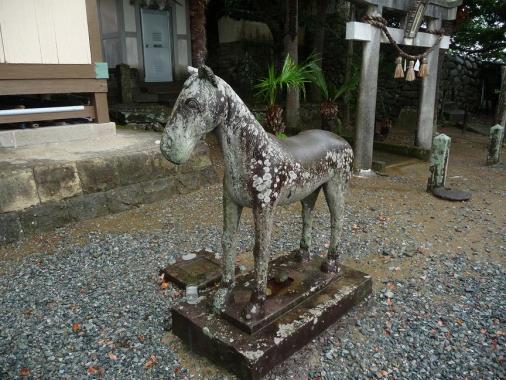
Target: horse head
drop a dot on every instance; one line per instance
(199, 108)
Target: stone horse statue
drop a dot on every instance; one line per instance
(261, 172)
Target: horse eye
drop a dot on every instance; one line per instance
(192, 104)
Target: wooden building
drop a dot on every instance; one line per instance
(50, 47)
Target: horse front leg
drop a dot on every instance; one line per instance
(231, 217)
(263, 227)
(334, 194)
(308, 203)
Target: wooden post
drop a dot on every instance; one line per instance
(98, 100)
(439, 161)
(428, 97)
(364, 129)
(124, 83)
(495, 144)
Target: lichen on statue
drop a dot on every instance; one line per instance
(261, 172)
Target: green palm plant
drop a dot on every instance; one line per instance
(329, 110)
(291, 75)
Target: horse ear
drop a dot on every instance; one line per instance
(206, 73)
(192, 70)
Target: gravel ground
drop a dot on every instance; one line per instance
(84, 301)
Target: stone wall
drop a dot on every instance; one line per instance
(52, 194)
(461, 82)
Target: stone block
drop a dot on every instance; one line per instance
(408, 119)
(134, 168)
(10, 228)
(209, 176)
(187, 182)
(199, 160)
(17, 190)
(87, 206)
(98, 174)
(124, 198)
(158, 189)
(44, 217)
(161, 167)
(57, 181)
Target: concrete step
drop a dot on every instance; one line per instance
(58, 134)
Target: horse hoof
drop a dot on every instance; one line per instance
(330, 266)
(252, 311)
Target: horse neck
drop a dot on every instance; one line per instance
(240, 132)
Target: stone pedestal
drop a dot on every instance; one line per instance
(296, 311)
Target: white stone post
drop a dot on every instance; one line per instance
(495, 144)
(426, 127)
(364, 128)
(439, 162)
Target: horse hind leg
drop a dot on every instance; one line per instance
(334, 191)
(303, 254)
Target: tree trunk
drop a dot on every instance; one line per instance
(291, 48)
(198, 31)
(318, 42)
(501, 103)
(348, 72)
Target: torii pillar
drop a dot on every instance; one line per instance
(435, 11)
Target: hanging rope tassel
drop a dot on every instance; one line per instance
(399, 72)
(410, 74)
(424, 69)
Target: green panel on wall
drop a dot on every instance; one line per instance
(101, 70)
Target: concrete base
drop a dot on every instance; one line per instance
(59, 134)
(251, 356)
(49, 185)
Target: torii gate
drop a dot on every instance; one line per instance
(436, 11)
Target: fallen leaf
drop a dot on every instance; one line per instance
(150, 362)
(141, 338)
(76, 327)
(112, 356)
(24, 372)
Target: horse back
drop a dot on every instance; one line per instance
(313, 145)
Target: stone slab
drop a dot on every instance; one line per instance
(57, 181)
(44, 217)
(87, 206)
(251, 356)
(302, 280)
(451, 194)
(202, 271)
(10, 228)
(98, 174)
(18, 190)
